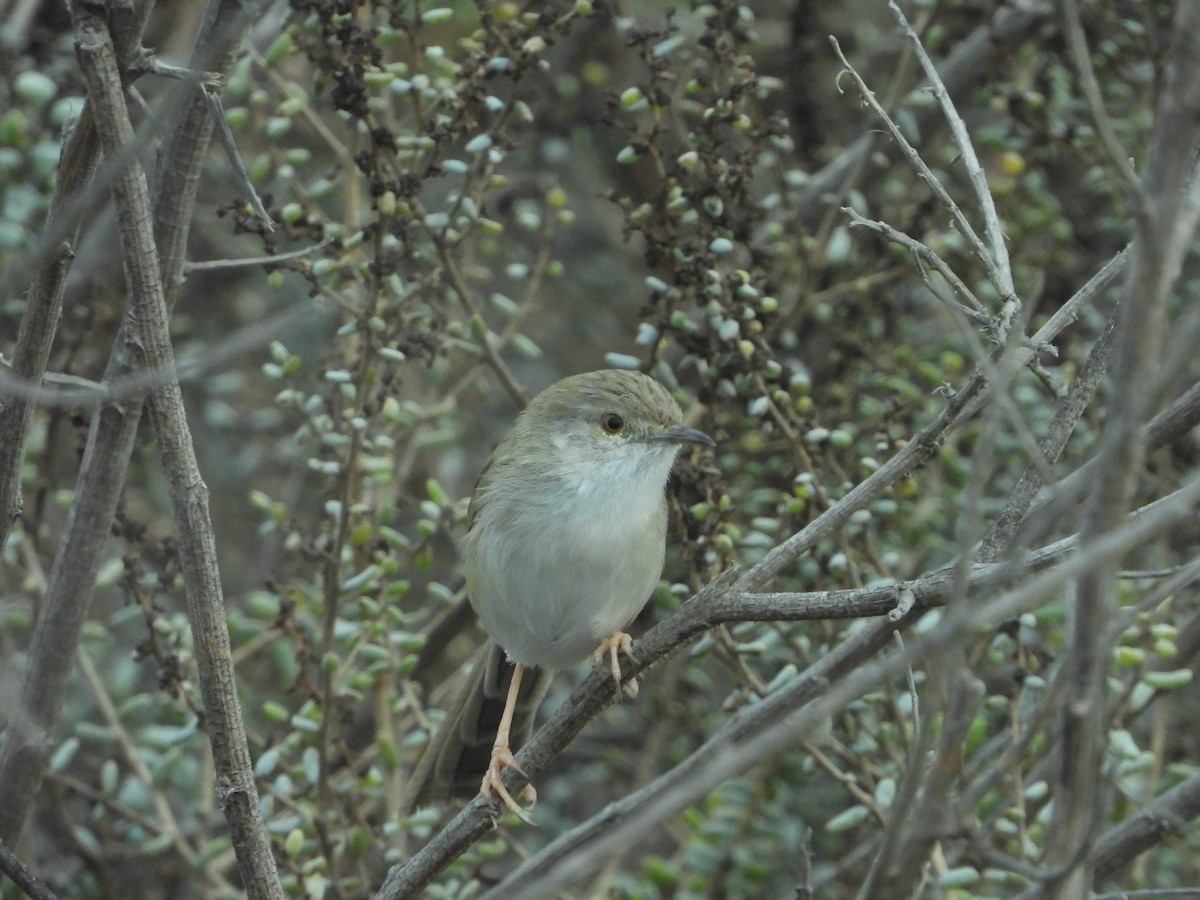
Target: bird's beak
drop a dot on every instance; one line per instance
(681, 434)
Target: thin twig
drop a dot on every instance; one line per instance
(925, 254)
(977, 246)
(997, 263)
(216, 265)
(1081, 58)
(1069, 412)
(11, 866)
(234, 156)
(1011, 26)
(62, 390)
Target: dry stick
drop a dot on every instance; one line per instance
(904, 850)
(106, 457)
(11, 866)
(180, 160)
(787, 716)
(43, 303)
(58, 389)
(274, 259)
(925, 255)
(1005, 31)
(1081, 58)
(475, 820)
(998, 267)
(1165, 225)
(240, 175)
(908, 836)
(1021, 498)
(978, 249)
(150, 345)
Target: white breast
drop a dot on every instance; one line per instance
(550, 579)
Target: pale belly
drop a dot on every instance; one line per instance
(550, 602)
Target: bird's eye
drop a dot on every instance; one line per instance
(611, 423)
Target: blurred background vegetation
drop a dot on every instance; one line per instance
(500, 194)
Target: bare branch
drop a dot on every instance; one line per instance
(1069, 411)
(1008, 29)
(214, 265)
(1165, 227)
(910, 153)
(1081, 59)
(998, 266)
(925, 255)
(217, 111)
(148, 335)
(16, 870)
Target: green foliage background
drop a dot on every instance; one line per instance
(504, 194)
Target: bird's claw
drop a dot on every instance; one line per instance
(613, 645)
(493, 781)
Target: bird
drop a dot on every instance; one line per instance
(565, 542)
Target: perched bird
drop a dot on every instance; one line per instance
(565, 543)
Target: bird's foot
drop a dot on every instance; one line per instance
(493, 781)
(613, 645)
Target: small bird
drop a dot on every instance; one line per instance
(566, 536)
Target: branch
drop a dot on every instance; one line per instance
(914, 158)
(16, 870)
(214, 265)
(143, 343)
(148, 338)
(1071, 408)
(1012, 24)
(241, 176)
(1081, 58)
(998, 266)
(794, 711)
(1165, 226)
(924, 255)
(43, 305)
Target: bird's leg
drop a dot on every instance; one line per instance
(502, 756)
(612, 645)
